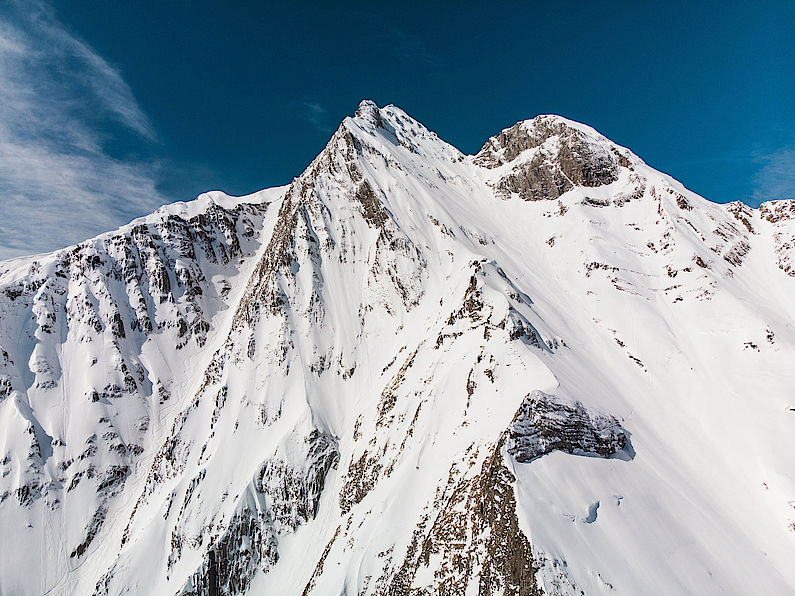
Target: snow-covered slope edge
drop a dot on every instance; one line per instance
(99, 345)
(546, 367)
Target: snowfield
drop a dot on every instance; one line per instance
(543, 369)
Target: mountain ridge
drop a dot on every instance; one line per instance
(771, 207)
(285, 364)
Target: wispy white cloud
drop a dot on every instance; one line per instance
(776, 178)
(316, 115)
(60, 104)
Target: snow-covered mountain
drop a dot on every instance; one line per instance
(545, 368)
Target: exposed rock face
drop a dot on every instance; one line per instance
(351, 385)
(247, 545)
(543, 424)
(777, 211)
(782, 215)
(743, 213)
(555, 158)
(293, 491)
(474, 543)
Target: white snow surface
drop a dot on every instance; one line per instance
(325, 360)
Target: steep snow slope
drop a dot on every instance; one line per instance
(545, 367)
(98, 343)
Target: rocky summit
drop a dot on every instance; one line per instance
(543, 369)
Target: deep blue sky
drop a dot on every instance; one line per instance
(239, 96)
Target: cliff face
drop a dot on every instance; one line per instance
(546, 157)
(545, 368)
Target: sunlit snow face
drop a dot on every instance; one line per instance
(390, 366)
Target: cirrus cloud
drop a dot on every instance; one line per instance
(776, 177)
(62, 105)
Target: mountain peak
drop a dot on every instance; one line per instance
(558, 122)
(550, 155)
(531, 134)
(366, 107)
(368, 111)
(395, 128)
(364, 381)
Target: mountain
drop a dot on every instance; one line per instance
(545, 368)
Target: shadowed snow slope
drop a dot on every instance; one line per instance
(545, 368)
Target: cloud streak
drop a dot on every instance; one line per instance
(62, 103)
(316, 115)
(776, 178)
